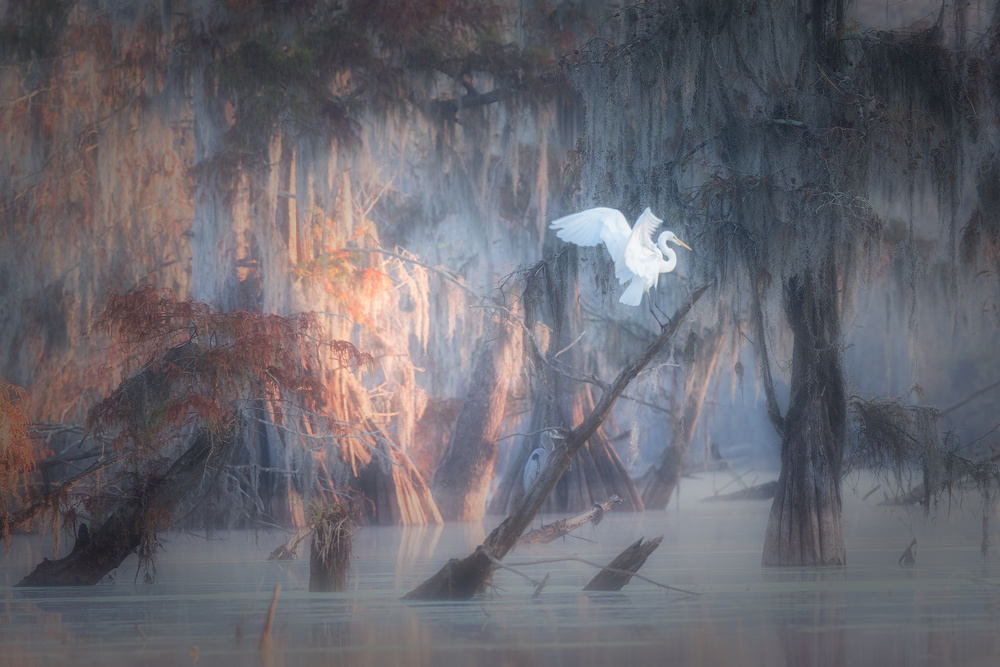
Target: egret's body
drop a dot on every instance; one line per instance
(637, 260)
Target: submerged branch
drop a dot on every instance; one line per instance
(574, 557)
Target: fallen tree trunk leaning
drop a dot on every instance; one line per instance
(137, 517)
(564, 527)
(461, 579)
(619, 571)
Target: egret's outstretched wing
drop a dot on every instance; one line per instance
(595, 226)
(637, 261)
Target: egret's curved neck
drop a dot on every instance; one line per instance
(669, 261)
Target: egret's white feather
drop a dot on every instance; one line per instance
(637, 260)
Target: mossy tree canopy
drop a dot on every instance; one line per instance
(773, 138)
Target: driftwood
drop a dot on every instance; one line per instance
(99, 552)
(620, 571)
(461, 579)
(564, 527)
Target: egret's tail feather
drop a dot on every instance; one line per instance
(632, 295)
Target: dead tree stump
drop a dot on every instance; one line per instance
(619, 571)
(330, 554)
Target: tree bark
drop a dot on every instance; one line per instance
(563, 400)
(461, 579)
(462, 479)
(700, 358)
(805, 525)
(395, 492)
(135, 519)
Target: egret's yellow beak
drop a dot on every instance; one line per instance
(681, 243)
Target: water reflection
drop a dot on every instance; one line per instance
(943, 610)
(807, 616)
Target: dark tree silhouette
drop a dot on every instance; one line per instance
(769, 133)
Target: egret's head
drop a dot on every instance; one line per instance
(672, 238)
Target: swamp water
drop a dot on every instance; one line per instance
(211, 598)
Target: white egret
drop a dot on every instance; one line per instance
(637, 260)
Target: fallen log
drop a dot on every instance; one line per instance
(136, 519)
(564, 527)
(461, 579)
(621, 570)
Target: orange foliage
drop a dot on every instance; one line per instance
(201, 365)
(355, 288)
(15, 449)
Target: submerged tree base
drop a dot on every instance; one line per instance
(457, 580)
(330, 555)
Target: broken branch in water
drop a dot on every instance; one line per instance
(539, 585)
(591, 563)
(564, 527)
(620, 571)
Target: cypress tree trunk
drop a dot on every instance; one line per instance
(804, 527)
(562, 400)
(700, 358)
(462, 480)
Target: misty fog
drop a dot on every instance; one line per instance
(263, 259)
